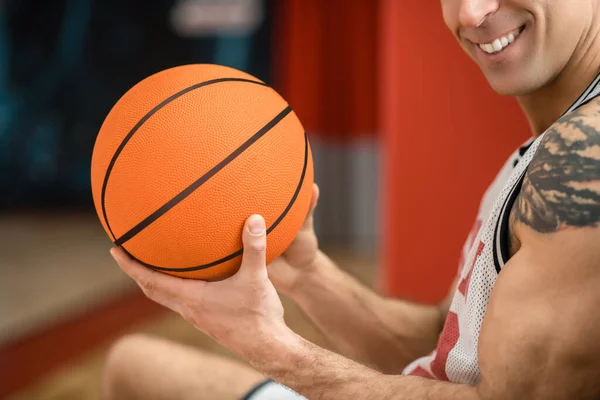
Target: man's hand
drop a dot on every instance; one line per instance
(300, 257)
(239, 312)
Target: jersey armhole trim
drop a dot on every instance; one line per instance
(585, 96)
(500, 248)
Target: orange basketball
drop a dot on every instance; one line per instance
(186, 156)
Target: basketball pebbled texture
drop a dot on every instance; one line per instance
(181, 162)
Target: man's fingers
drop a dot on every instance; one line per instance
(255, 245)
(308, 222)
(162, 288)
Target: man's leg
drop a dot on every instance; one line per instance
(142, 367)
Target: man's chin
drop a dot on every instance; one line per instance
(509, 87)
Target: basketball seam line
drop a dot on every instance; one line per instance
(203, 179)
(239, 252)
(145, 118)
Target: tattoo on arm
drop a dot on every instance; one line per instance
(562, 185)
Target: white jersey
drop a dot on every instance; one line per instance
(484, 254)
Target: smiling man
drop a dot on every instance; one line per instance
(522, 320)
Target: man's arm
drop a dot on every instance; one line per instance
(539, 338)
(320, 374)
(552, 284)
(385, 334)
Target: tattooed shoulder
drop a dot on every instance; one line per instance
(562, 185)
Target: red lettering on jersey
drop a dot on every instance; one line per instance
(448, 340)
(463, 286)
(422, 372)
(450, 333)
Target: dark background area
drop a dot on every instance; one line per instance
(63, 65)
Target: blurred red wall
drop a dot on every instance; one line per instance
(444, 135)
(325, 65)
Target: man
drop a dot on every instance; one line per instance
(522, 319)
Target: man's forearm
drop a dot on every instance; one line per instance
(320, 374)
(384, 334)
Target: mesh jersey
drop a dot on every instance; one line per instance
(483, 256)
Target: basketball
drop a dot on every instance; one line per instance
(186, 156)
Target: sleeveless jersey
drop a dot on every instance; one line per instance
(484, 254)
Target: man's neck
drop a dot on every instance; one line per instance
(546, 105)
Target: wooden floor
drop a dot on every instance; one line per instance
(53, 266)
(60, 282)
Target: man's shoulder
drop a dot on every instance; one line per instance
(561, 188)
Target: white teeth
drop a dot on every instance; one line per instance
(488, 48)
(498, 44)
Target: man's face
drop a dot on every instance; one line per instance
(520, 45)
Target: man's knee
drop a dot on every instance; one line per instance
(120, 364)
(143, 367)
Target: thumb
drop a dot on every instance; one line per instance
(255, 246)
(309, 221)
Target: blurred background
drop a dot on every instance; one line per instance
(405, 132)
